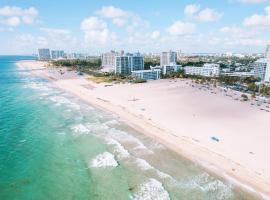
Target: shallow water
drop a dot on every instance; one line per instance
(54, 146)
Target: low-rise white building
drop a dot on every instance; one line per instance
(239, 74)
(152, 74)
(208, 70)
(168, 69)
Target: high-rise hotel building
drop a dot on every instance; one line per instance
(108, 59)
(262, 67)
(126, 63)
(44, 54)
(57, 54)
(168, 58)
(267, 53)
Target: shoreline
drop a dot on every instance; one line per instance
(187, 147)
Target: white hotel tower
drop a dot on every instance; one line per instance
(168, 58)
(267, 53)
(262, 67)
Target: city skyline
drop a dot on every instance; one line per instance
(192, 26)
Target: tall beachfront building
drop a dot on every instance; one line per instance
(178, 54)
(168, 58)
(262, 69)
(267, 53)
(126, 63)
(44, 54)
(108, 59)
(57, 54)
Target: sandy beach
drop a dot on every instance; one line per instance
(185, 119)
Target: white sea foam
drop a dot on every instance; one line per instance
(125, 137)
(38, 86)
(112, 122)
(103, 160)
(151, 190)
(104, 130)
(143, 164)
(118, 148)
(164, 175)
(61, 133)
(45, 94)
(97, 128)
(74, 106)
(59, 100)
(157, 146)
(208, 184)
(80, 129)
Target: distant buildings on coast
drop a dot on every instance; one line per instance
(45, 54)
(133, 64)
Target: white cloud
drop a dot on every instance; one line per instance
(27, 42)
(14, 16)
(155, 35)
(259, 20)
(252, 1)
(118, 16)
(57, 34)
(122, 18)
(241, 36)
(12, 21)
(244, 42)
(57, 38)
(208, 15)
(191, 9)
(112, 12)
(182, 28)
(119, 22)
(96, 31)
(93, 23)
(214, 41)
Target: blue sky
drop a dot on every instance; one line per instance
(148, 26)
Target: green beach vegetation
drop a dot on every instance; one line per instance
(151, 62)
(79, 65)
(92, 67)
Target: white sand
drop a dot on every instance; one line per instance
(184, 119)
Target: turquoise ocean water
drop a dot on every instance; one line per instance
(54, 146)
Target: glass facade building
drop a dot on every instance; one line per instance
(129, 62)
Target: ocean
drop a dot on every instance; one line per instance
(55, 146)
